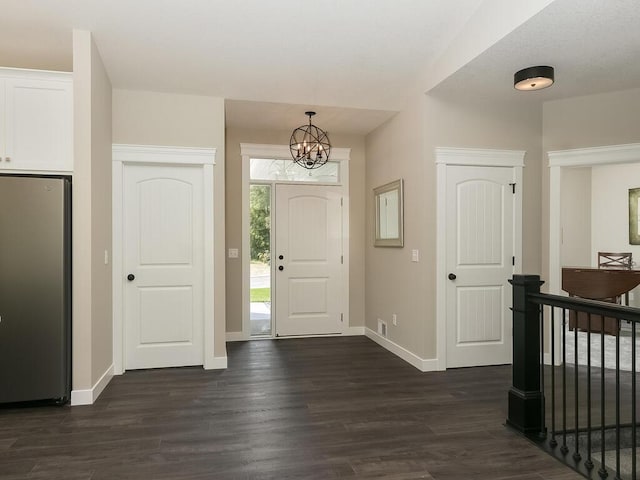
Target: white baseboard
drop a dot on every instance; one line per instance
(216, 363)
(353, 331)
(89, 396)
(422, 364)
(236, 337)
(348, 332)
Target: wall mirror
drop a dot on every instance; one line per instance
(389, 223)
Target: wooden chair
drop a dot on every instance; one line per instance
(621, 261)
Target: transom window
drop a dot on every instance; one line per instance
(289, 171)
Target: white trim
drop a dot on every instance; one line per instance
(607, 155)
(216, 363)
(161, 154)
(209, 360)
(245, 251)
(136, 154)
(88, 397)
(117, 213)
(577, 157)
(236, 337)
(441, 265)
(480, 157)
(48, 75)
(345, 210)
(264, 150)
(474, 158)
(254, 150)
(422, 364)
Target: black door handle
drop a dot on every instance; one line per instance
(281, 257)
(131, 277)
(452, 276)
(280, 268)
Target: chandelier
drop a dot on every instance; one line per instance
(309, 145)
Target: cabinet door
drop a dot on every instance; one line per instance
(38, 124)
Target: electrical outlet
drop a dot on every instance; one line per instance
(394, 319)
(233, 253)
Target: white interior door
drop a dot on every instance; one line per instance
(480, 248)
(308, 260)
(163, 265)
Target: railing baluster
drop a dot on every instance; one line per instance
(589, 462)
(634, 405)
(564, 449)
(553, 442)
(603, 466)
(543, 423)
(525, 413)
(618, 400)
(576, 452)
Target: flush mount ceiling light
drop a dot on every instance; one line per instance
(309, 145)
(533, 78)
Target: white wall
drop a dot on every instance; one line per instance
(151, 118)
(404, 148)
(395, 284)
(91, 237)
(590, 121)
(610, 212)
(575, 217)
(235, 136)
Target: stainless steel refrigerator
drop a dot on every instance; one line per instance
(35, 288)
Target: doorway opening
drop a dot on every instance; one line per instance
(295, 239)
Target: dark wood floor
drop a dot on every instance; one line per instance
(291, 409)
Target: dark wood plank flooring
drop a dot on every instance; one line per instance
(291, 409)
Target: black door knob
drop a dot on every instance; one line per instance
(452, 276)
(131, 277)
(281, 257)
(280, 268)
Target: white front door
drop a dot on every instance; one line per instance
(308, 260)
(479, 258)
(163, 255)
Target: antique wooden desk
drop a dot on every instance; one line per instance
(607, 285)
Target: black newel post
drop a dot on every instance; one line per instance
(525, 397)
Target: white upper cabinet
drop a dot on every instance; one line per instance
(36, 121)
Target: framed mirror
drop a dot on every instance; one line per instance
(389, 223)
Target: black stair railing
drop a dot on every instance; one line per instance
(580, 405)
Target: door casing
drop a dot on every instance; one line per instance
(472, 158)
(143, 154)
(250, 150)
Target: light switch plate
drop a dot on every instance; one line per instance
(233, 253)
(415, 255)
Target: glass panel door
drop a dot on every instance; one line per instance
(260, 269)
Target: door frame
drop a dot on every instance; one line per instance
(123, 155)
(469, 157)
(559, 160)
(282, 152)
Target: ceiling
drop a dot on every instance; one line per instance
(594, 46)
(353, 61)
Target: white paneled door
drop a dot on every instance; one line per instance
(480, 248)
(308, 260)
(163, 265)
